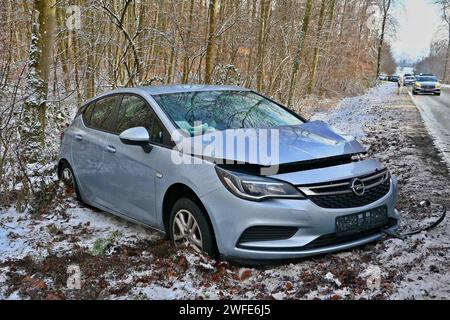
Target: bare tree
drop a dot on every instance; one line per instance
(317, 47)
(385, 6)
(40, 61)
(262, 31)
(445, 9)
(299, 52)
(211, 50)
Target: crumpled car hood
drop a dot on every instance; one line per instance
(290, 144)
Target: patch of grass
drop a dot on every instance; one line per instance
(102, 245)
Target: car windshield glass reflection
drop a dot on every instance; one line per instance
(427, 79)
(223, 110)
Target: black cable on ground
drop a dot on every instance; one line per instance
(394, 234)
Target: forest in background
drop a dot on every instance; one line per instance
(56, 54)
(438, 59)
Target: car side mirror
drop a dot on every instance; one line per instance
(137, 137)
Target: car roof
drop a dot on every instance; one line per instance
(178, 88)
(168, 89)
(157, 90)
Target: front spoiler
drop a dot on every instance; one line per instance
(274, 256)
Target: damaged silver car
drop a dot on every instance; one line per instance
(187, 161)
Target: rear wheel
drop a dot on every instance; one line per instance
(67, 176)
(189, 226)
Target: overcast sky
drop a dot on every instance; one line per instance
(418, 23)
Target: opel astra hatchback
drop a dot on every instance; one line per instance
(227, 171)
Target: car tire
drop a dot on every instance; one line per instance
(437, 94)
(414, 93)
(67, 176)
(204, 232)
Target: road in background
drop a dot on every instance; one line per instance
(436, 114)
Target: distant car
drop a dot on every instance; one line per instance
(393, 78)
(383, 77)
(427, 84)
(407, 80)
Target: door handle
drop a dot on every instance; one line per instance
(111, 149)
(79, 137)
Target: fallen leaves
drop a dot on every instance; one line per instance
(245, 274)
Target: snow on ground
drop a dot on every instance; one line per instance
(21, 235)
(119, 260)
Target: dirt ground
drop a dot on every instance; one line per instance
(118, 260)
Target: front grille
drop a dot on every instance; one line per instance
(256, 234)
(428, 87)
(339, 194)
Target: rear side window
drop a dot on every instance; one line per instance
(87, 114)
(134, 112)
(102, 113)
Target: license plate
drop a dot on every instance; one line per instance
(360, 222)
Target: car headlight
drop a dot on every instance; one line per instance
(418, 84)
(438, 85)
(257, 188)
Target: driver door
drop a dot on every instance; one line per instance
(133, 176)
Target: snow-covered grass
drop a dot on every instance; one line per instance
(22, 235)
(119, 260)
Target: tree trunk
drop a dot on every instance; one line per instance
(186, 61)
(211, 49)
(299, 53)
(90, 59)
(447, 58)
(263, 17)
(329, 28)
(41, 56)
(385, 9)
(312, 79)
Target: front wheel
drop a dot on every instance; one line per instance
(189, 226)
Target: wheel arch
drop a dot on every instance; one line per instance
(176, 192)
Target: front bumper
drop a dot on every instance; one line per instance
(426, 90)
(232, 216)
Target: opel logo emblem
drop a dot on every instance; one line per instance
(358, 187)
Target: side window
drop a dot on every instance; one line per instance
(157, 133)
(134, 112)
(87, 114)
(102, 113)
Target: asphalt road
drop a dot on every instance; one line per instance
(436, 113)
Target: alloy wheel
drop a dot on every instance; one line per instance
(67, 177)
(186, 230)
